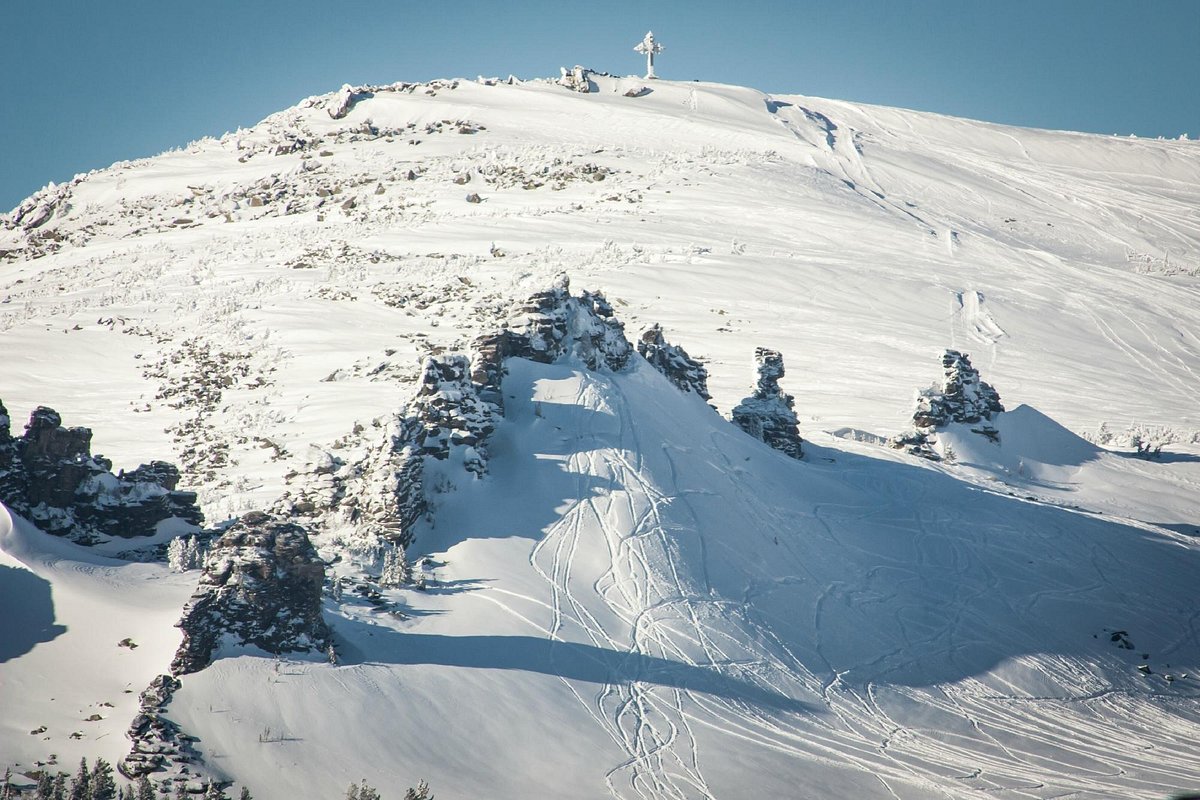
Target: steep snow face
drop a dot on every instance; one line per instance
(634, 593)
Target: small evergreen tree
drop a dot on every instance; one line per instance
(81, 784)
(396, 569)
(45, 787)
(352, 791)
(214, 792)
(145, 789)
(181, 792)
(6, 788)
(419, 793)
(103, 786)
(366, 792)
(245, 795)
(60, 787)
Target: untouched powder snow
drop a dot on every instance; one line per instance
(638, 600)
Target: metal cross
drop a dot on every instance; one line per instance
(649, 47)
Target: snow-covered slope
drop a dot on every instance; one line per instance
(638, 599)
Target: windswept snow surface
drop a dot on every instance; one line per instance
(639, 600)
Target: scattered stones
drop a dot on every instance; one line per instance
(473, 197)
(768, 414)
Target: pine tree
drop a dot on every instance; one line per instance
(103, 787)
(215, 792)
(396, 569)
(60, 787)
(181, 792)
(145, 789)
(81, 784)
(176, 554)
(245, 795)
(6, 789)
(45, 787)
(366, 792)
(352, 792)
(419, 793)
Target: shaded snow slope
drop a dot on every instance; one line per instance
(650, 602)
(66, 611)
(638, 596)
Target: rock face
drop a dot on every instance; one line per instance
(157, 741)
(673, 362)
(261, 586)
(962, 397)
(50, 477)
(768, 413)
(548, 326)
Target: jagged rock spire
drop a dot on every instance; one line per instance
(673, 362)
(962, 397)
(768, 413)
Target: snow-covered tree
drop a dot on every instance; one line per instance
(421, 792)
(185, 553)
(396, 569)
(145, 789)
(81, 784)
(103, 786)
(45, 787)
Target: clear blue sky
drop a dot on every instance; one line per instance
(84, 83)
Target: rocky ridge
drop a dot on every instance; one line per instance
(50, 476)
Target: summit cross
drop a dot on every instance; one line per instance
(649, 46)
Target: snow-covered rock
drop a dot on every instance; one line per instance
(673, 361)
(768, 414)
(261, 586)
(962, 397)
(50, 476)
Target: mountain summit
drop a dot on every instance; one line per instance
(450, 472)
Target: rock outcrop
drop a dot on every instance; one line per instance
(768, 413)
(50, 476)
(576, 79)
(548, 326)
(261, 586)
(158, 742)
(961, 397)
(384, 494)
(673, 362)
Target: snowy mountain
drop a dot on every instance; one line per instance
(490, 473)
